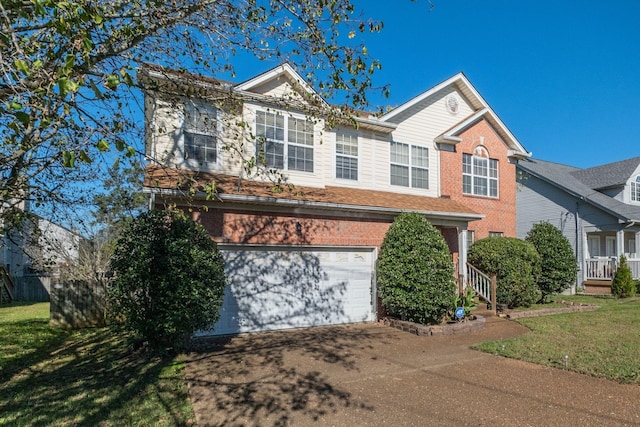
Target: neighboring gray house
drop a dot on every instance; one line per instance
(34, 254)
(597, 209)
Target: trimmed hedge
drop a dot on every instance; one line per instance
(169, 279)
(516, 264)
(415, 271)
(558, 263)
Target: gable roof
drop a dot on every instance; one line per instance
(482, 111)
(567, 179)
(609, 175)
(331, 198)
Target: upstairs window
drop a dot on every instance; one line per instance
(479, 174)
(347, 156)
(200, 134)
(284, 141)
(409, 165)
(635, 190)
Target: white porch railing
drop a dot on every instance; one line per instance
(634, 265)
(482, 284)
(605, 268)
(600, 268)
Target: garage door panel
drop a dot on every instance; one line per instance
(278, 289)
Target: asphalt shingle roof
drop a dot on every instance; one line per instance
(583, 183)
(163, 178)
(609, 175)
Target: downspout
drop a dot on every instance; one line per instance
(578, 239)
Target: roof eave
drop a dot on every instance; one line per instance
(276, 201)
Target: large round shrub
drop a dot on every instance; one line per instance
(415, 271)
(558, 266)
(168, 278)
(623, 285)
(516, 264)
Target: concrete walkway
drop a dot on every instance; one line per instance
(373, 375)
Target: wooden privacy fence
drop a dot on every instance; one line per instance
(33, 287)
(78, 304)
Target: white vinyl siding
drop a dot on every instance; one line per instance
(409, 165)
(200, 134)
(479, 176)
(347, 156)
(271, 129)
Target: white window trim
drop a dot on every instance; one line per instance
(634, 188)
(410, 165)
(213, 113)
(285, 155)
(487, 177)
(349, 156)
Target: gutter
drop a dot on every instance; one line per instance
(273, 201)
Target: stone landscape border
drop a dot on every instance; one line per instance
(445, 329)
(571, 308)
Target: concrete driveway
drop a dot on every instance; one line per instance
(373, 375)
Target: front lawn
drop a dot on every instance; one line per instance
(603, 343)
(56, 377)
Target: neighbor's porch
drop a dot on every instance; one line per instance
(603, 257)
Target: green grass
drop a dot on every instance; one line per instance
(603, 343)
(88, 377)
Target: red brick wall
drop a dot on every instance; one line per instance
(500, 213)
(290, 229)
(283, 229)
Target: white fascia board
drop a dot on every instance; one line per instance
(274, 201)
(284, 68)
(427, 94)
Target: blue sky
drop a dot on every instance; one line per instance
(562, 75)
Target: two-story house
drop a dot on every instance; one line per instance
(306, 255)
(597, 209)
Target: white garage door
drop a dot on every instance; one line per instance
(271, 288)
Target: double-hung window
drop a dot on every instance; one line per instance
(635, 190)
(200, 134)
(409, 165)
(284, 140)
(346, 156)
(479, 174)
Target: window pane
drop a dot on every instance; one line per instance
(466, 184)
(300, 131)
(493, 188)
(419, 178)
(399, 153)
(300, 158)
(346, 168)
(274, 154)
(347, 144)
(493, 168)
(400, 175)
(480, 186)
(201, 148)
(269, 125)
(419, 156)
(466, 163)
(480, 166)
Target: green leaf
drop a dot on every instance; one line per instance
(103, 145)
(85, 157)
(15, 106)
(23, 117)
(120, 145)
(68, 159)
(112, 82)
(21, 65)
(131, 151)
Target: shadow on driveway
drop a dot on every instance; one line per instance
(369, 374)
